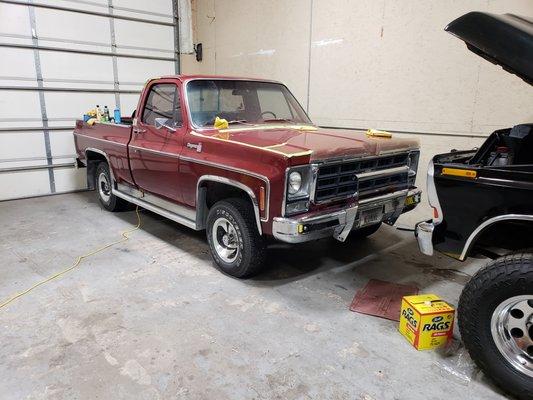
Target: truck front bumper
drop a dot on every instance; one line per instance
(424, 236)
(340, 223)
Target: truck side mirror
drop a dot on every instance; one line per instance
(164, 122)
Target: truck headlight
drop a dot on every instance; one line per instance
(298, 181)
(414, 157)
(295, 182)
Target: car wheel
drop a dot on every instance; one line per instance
(496, 322)
(104, 189)
(236, 245)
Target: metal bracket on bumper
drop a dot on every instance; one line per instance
(342, 232)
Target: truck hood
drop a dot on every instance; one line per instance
(321, 143)
(505, 39)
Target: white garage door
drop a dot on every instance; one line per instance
(58, 60)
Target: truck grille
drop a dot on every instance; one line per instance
(340, 180)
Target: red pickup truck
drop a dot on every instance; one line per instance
(241, 159)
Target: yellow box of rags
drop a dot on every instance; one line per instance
(426, 321)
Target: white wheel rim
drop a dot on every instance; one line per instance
(225, 240)
(512, 332)
(104, 188)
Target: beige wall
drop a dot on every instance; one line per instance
(368, 63)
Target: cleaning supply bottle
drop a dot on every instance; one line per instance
(118, 120)
(106, 114)
(98, 113)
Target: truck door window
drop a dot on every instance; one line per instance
(163, 102)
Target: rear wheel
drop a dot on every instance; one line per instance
(496, 322)
(236, 245)
(104, 189)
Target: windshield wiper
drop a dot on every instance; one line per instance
(239, 121)
(278, 120)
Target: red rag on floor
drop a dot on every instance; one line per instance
(382, 299)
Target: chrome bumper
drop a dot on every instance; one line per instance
(340, 223)
(424, 237)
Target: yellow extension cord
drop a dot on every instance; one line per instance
(125, 237)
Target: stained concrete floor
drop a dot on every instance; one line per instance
(152, 318)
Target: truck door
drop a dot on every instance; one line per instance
(157, 141)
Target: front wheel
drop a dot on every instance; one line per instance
(496, 322)
(236, 245)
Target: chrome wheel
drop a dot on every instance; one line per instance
(512, 332)
(104, 187)
(225, 240)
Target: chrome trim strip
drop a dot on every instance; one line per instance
(382, 172)
(362, 157)
(387, 196)
(490, 221)
(156, 209)
(248, 190)
(159, 152)
(241, 171)
(184, 212)
(101, 140)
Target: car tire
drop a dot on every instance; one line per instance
(493, 314)
(235, 243)
(104, 191)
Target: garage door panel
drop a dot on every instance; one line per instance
(18, 105)
(15, 145)
(93, 5)
(141, 70)
(128, 103)
(62, 145)
(17, 63)
(157, 6)
(154, 36)
(15, 20)
(72, 26)
(83, 67)
(23, 184)
(69, 179)
(74, 105)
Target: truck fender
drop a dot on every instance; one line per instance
(91, 166)
(491, 221)
(201, 193)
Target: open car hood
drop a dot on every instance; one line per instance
(505, 39)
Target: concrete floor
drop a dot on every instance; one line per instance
(152, 318)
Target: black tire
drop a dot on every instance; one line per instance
(365, 231)
(110, 202)
(498, 281)
(251, 253)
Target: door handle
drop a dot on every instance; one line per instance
(138, 130)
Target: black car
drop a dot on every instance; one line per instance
(483, 205)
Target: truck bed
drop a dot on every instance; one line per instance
(111, 140)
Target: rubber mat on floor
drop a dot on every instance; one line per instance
(381, 299)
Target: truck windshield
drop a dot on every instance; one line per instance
(243, 102)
